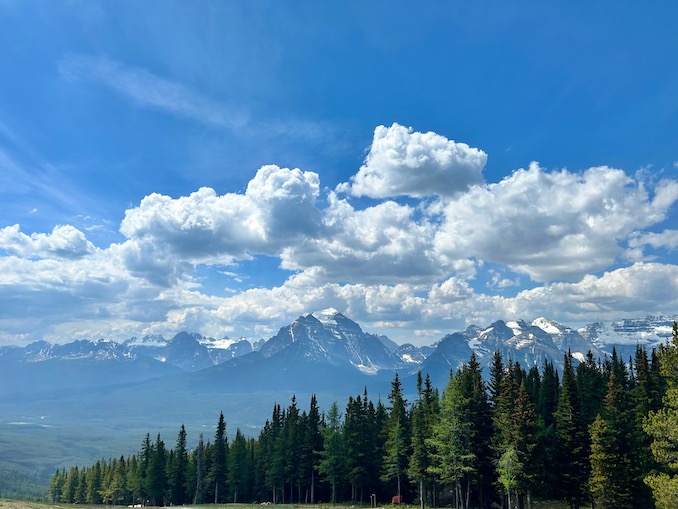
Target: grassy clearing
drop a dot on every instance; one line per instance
(19, 504)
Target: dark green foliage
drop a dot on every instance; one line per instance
(178, 471)
(217, 472)
(521, 436)
(611, 480)
(397, 446)
(424, 416)
(662, 426)
(332, 464)
(572, 440)
(238, 468)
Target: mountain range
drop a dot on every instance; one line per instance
(312, 343)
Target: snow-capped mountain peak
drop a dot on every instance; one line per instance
(549, 326)
(326, 316)
(330, 337)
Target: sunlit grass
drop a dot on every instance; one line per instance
(18, 504)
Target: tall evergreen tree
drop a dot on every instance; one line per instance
(454, 460)
(422, 426)
(311, 446)
(217, 474)
(545, 457)
(93, 495)
(523, 443)
(662, 426)
(572, 439)
(611, 480)
(200, 472)
(396, 452)
(157, 478)
(332, 462)
(292, 447)
(178, 470)
(360, 440)
(480, 415)
(238, 467)
(591, 385)
(643, 401)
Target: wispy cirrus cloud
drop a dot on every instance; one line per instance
(28, 179)
(150, 91)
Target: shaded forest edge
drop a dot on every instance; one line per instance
(603, 432)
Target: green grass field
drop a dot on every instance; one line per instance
(18, 504)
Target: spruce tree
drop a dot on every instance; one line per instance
(311, 447)
(200, 472)
(238, 467)
(291, 446)
(396, 448)
(157, 476)
(454, 460)
(662, 426)
(217, 474)
(611, 480)
(420, 460)
(178, 468)
(572, 440)
(524, 442)
(333, 458)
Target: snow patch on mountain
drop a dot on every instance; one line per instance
(515, 327)
(327, 317)
(546, 325)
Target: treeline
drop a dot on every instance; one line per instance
(585, 435)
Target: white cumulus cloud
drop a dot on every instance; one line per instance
(550, 224)
(402, 162)
(382, 243)
(278, 209)
(65, 241)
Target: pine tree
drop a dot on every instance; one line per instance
(311, 446)
(572, 439)
(200, 472)
(157, 476)
(420, 460)
(56, 485)
(94, 484)
(68, 487)
(591, 385)
(144, 467)
(332, 462)
(496, 376)
(238, 467)
(545, 457)
(643, 401)
(360, 442)
(524, 442)
(662, 426)
(480, 415)
(217, 474)
(275, 467)
(178, 470)
(611, 480)
(133, 478)
(292, 446)
(396, 448)
(454, 460)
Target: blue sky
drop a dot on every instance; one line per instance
(224, 167)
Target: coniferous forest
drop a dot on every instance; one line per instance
(603, 434)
